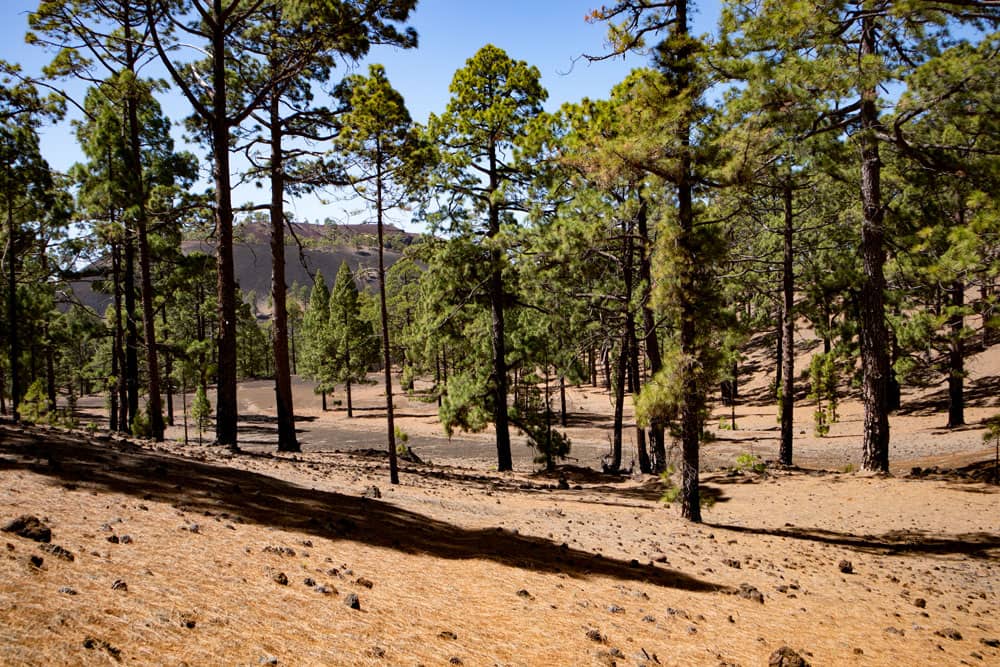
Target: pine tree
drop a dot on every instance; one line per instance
(383, 147)
(315, 353)
(672, 141)
(353, 345)
(482, 185)
(835, 59)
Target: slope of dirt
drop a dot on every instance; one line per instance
(224, 554)
(190, 554)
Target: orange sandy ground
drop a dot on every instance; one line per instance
(467, 566)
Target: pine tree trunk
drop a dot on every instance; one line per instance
(227, 409)
(692, 398)
(500, 419)
(635, 381)
(779, 351)
(787, 333)
(874, 338)
(437, 377)
(956, 358)
(168, 371)
(15, 341)
(131, 330)
(562, 401)
(616, 447)
(287, 441)
(390, 425)
(119, 402)
(652, 342)
(987, 309)
(550, 462)
(153, 404)
(50, 368)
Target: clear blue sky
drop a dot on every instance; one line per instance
(550, 34)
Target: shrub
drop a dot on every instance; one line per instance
(750, 463)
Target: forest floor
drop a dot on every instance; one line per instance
(189, 554)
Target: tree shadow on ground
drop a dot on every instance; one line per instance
(379, 413)
(122, 467)
(981, 392)
(586, 481)
(896, 542)
(268, 419)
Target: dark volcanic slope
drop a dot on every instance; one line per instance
(324, 248)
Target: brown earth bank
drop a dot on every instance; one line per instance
(190, 554)
(194, 555)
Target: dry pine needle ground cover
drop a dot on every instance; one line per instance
(190, 555)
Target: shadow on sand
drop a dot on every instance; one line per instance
(896, 542)
(109, 466)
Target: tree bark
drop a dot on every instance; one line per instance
(384, 321)
(652, 342)
(874, 338)
(562, 401)
(620, 372)
(131, 330)
(956, 358)
(692, 398)
(119, 402)
(500, 418)
(787, 332)
(635, 381)
(779, 351)
(227, 410)
(168, 371)
(153, 403)
(15, 342)
(550, 462)
(287, 441)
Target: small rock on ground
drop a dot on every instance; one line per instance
(749, 592)
(57, 551)
(93, 643)
(786, 657)
(846, 566)
(353, 601)
(30, 527)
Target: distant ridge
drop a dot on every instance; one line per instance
(324, 247)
